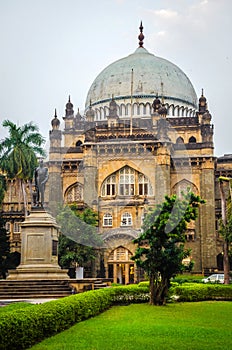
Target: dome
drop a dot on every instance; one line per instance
(152, 75)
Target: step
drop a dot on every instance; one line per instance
(16, 289)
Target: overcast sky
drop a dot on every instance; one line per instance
(51, 49)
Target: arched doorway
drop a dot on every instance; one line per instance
(120, 266)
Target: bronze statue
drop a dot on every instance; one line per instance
(41, 177)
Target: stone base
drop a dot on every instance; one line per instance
(38, 273)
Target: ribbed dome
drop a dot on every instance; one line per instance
(149, 72)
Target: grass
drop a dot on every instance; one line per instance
(14, 306)
(182, 326)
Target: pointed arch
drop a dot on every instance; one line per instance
(126, 181)
(192, 139)
(120, 254)
(180, 140)
(183, 186)
(74, 193)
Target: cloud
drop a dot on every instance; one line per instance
(161, 33)
(166, 13)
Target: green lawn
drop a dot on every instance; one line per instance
(14, 307)
(187, 326)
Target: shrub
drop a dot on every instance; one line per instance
(144, 284)
(199, 292)
(30, 325)
(187, 279)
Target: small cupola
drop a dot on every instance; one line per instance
(55, 122)
(69, 112)
(113, 113)
(163, 111)
(156, 104)
(202, 103)
(90, 114)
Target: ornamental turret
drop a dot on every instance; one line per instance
(69, 115)
(113, 113)
(90, 114)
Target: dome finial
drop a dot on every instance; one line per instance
(162, 91)
(141, 36)
(55, 122)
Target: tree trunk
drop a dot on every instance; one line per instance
(226, 264)
(161, 292)
(158, 290)
(152, 289)
(24, 197)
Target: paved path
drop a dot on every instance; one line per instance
(32, 301)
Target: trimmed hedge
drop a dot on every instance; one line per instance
(201, 292)
(30, 325)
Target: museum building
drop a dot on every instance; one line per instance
(144, 134)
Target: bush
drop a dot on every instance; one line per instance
(200, 292)
(30, 325)
(187, 279)
(144, 284)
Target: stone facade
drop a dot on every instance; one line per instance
(130, 148)
(120, 170)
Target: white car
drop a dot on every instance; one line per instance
(215, 278)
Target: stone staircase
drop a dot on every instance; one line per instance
(15, 289)
(98, 284)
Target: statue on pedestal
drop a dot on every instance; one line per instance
(41, 177)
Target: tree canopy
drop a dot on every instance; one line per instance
(161, 250)
(7, 259)
(79, 236)
(19, 151)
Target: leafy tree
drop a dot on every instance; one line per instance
(226, 225)
(18, 153)
(160, 250)
(79, 237)
(2, 187)
(7, 260)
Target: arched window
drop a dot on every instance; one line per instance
(106, 111)
(127, 109)
(78, 143)
(192, 139)
(109, 186)
(107, 220)
(180, 140)
(145, 188)
(120, 253)
(183, 186)
(126, 219)
(7, 226)
(126, 181)
(74, 193)
(16, 227)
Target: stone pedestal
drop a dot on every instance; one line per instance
(39, 253)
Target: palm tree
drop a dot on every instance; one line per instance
(18, 153)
